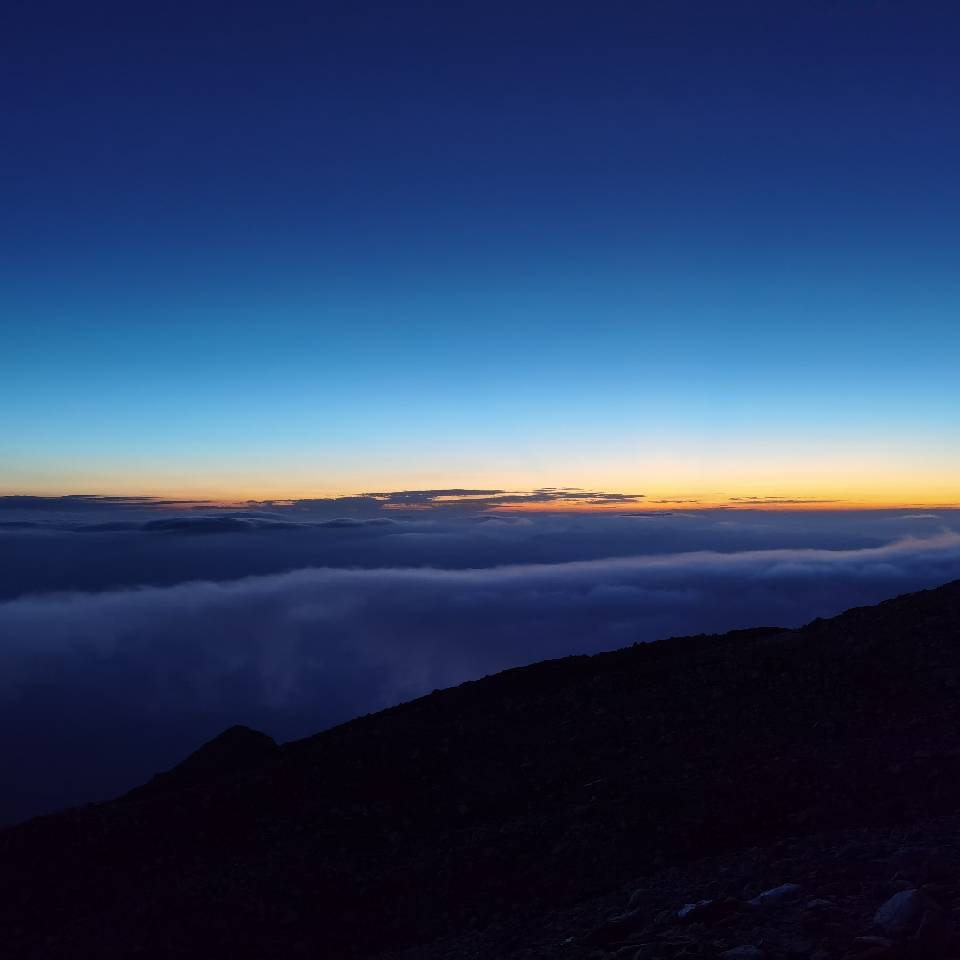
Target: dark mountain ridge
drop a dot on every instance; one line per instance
(467, 816)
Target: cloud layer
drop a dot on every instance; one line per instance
(100, 689)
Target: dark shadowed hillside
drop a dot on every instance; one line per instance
(506, 817)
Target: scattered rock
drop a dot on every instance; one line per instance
(615, 928)
(786, 891)
(900, 916)
(707, 911)
(692, 911)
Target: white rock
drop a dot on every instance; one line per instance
(785, 891)
(689, 909)
(901, 914)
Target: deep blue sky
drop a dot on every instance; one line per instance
(680, 247)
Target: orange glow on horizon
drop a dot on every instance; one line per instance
(642, 503)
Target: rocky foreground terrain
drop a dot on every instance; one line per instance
(765, 793)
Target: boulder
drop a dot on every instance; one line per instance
(786, 891)
(900, 916)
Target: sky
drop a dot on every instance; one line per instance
(350, 350)
(685, 249)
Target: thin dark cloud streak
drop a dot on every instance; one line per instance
(443, 501)
(459, 499)
(88, 501)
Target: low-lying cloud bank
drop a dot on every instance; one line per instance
(99, 690)
(46, 551)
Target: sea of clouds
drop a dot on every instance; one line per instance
(129, 634)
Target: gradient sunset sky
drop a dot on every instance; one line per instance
(685, 249)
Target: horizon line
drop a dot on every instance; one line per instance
(504, 500)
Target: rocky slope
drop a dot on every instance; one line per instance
(522, 815)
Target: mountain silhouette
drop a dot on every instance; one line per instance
(507, 817)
